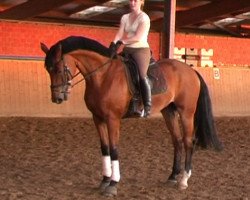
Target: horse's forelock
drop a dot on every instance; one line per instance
(50, 56)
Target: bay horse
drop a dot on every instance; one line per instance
(107, 96)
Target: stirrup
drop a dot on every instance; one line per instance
(146, 112)
(135, 108)
(138, 113)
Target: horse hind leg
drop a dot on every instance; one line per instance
(171, 118)
(187, 120)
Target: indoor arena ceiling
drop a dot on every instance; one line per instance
(219, 16)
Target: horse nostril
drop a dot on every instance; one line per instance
(59, 100)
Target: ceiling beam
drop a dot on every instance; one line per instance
(244, 30)
(155, 6)
(105, 18)
(210, 11)
(223, 28)
(31, 8)
(72, 21)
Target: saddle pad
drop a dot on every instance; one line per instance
(157, 80)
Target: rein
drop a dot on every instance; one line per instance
(86, 75)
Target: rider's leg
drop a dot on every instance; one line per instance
(142, 57)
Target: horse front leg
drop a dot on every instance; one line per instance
(109, 138)
(113, 125)
(106, 160)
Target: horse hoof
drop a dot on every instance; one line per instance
(110, 191)
(103, 185)
(171, 183)
(182, 186)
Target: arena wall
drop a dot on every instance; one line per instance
(24, 83)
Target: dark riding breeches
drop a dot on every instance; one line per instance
(142, 58)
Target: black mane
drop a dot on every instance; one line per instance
(78, 42)
(73, 43)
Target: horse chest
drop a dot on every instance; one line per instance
(95, 101)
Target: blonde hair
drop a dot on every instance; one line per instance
(142, 4)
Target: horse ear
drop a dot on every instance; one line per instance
(59, 52)
(44, 48)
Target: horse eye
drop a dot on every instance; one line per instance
(57, 70)
(50, 69)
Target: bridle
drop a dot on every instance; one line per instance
(68, 77)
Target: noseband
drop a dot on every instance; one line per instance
(67, 77)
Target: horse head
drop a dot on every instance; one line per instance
(60, 73)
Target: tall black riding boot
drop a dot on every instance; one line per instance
(146, 95)
(135, 107)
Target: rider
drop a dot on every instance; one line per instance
(133, 33)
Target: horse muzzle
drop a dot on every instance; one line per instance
(58, 96)
(58, 99)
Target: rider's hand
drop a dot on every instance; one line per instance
(113, 47)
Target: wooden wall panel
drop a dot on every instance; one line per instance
(24, 91)
(231, 93)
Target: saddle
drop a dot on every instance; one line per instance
(157, 80)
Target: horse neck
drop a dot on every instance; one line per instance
(70, 62)
(91, 64)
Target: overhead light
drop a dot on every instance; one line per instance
(90, 12)
(227, 21)
(96, 10)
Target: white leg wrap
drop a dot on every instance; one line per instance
(106, 166)
(184, 179)
(115, 171)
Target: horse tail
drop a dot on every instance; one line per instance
(205, 131)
